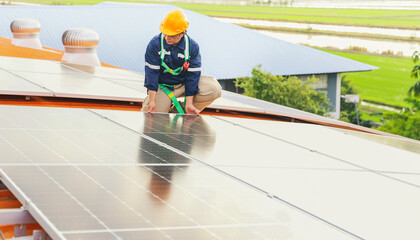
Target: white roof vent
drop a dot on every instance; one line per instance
(26, 33)
(80, 47)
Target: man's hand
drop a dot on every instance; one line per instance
(152, 101)
(189, 107)
(152, 107)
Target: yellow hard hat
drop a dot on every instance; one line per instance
(175, 22)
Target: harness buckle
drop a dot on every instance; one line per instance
(185, 66)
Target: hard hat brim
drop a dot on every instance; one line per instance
(167, 31)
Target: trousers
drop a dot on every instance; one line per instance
(209, 90)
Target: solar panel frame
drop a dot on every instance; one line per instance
(28, 205)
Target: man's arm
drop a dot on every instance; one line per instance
(189, 107)
(152, 101)
(193, 76)
(152, 71)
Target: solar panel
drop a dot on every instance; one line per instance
(143, 188)
(370, 205)
(346, 180)
(234, 146)
(14, 85)
(67, 80)
(353, 150)
(413, 178)
(135, 199)
(72, 138)
(34, 65)
(32, 77)
(80, 86)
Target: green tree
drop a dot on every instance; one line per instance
(415, 73)
(348, 110)
(287, 91)
(405, 124)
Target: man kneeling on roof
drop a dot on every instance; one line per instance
(173, 69)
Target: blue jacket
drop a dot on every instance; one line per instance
(174, 58)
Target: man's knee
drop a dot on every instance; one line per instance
(163, 103)
(209, 88)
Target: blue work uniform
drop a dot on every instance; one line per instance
(174, 58)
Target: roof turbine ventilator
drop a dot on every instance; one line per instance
(80, 47)
(26, 33)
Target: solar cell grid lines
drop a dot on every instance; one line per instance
(298, 150)
(233, 146)
(69, 138)
(149, 211)
(350, 149)
(83, 176)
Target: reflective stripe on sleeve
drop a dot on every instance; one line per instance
(157, 67)
(194, 69)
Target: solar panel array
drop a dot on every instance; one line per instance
(103, 174)
(83, 176)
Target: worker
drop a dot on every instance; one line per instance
(173, 69)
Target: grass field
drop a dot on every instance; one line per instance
(415, 39)
(362, 17)
(388, 85)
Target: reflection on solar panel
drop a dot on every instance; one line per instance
(83, 176)
(338, 177)
(30, 77)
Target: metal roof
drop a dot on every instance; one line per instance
(228, 51)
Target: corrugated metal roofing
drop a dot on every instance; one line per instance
(228, 51)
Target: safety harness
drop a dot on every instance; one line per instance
(171, 95)
(186, 64)
(175, 72)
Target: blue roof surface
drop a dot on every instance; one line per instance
(228, 51)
